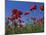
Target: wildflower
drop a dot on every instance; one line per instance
(14, 11)
(16, 14)
(42, 7)
(33, 7)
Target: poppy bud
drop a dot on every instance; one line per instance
(27, 13)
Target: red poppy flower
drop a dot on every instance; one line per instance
(42, 8)
(27, 13)
(17, 14)
(33, 7)
(14, 11)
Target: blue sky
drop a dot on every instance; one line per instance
(23, 6)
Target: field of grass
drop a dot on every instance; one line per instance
(30, 28)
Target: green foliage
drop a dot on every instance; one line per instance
(30, 28)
